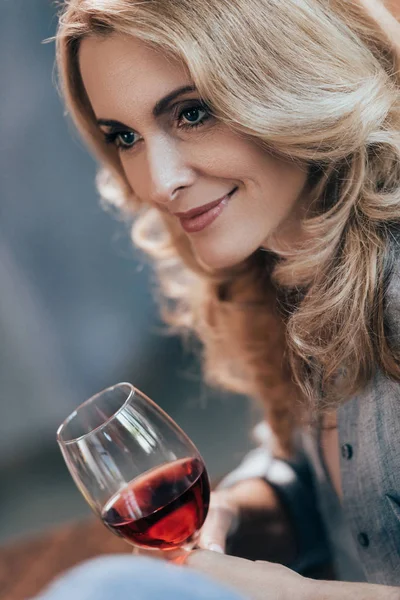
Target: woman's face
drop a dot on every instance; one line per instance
(228, 195)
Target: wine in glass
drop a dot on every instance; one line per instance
(139, 472)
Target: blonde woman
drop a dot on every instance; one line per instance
(258, 141)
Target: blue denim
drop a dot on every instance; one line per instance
(124, 577)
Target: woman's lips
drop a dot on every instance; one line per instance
(192, 223)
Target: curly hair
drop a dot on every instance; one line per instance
(301, 329)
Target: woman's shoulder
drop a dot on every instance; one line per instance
(392, 297)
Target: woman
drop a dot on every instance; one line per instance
(259, 143)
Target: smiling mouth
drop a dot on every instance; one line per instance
(194, 212)
(199, 218)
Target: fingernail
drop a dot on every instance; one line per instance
(216, 548)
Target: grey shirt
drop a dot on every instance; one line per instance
(360, 533)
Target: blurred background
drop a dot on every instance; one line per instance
(76, 303)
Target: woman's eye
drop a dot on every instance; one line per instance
(125, 139)
(193, 116)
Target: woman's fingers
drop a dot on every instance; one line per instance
(222, 518)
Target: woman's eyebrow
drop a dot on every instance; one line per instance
(112, 123)
(160, 107)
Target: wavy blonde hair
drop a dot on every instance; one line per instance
(315, 82)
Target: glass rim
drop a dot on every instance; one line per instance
(61, 442)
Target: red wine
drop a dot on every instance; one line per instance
(164, 507)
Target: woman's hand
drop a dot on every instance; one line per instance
(247, 520)
(255, 580)
(269, 581)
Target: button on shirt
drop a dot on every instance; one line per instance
(363, 539)
(347, 451)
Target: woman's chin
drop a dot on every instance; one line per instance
(220, 258)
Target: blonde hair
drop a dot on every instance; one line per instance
(315, 82)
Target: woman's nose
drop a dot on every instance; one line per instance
(168, 170)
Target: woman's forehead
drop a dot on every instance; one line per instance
(121, 71)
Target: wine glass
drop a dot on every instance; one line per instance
(138, 471)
